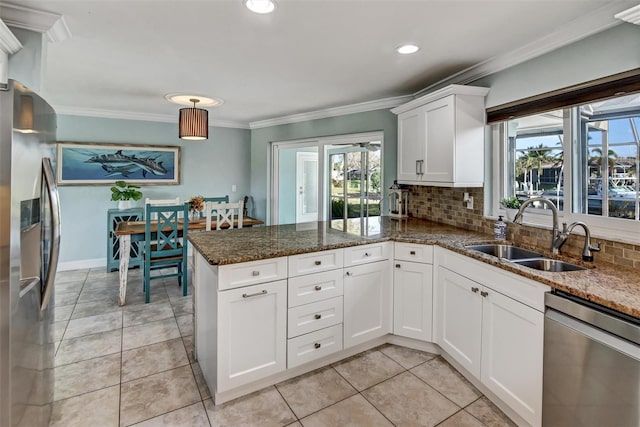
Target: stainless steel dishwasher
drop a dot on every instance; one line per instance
(591, 365)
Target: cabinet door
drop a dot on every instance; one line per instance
(439, 134)
(368, 299)
(412, 300)
(458, 318)
(252, 333)
(410, 145)
(512, 350)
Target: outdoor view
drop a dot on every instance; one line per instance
(605, 164)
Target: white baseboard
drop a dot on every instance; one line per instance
(81, 264)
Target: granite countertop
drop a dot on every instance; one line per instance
(610, 285)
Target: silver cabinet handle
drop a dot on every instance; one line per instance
(417, 170)
(412, 253)
(367, 254)
(348, 273)
(484, 293)
(317, 345)
(318, 288)
(255, 273)
(263, 292)
(397, 265)
(318, 316)
(421, 165)
(318, 262)
(475, 290)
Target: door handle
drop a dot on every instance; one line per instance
(52, 191)
(263, 292)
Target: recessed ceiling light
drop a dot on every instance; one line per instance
(186, 99)
(260, 6)
(406, 49)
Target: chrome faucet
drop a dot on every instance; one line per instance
(557, 238)
(587, 251)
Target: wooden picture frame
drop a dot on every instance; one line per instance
(81, 163)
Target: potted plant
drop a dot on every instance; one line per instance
(511, 206)
(123, 193)
(196, 206)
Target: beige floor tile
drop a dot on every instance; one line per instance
(66, 298)
(407, 357)
(98, 294)
(141, 314)
(151, 359)
(71, 276)
(88, 347)
(405, 400)
(444, 378)
(136, 296)
(58, 329)
(93, 324)
(149, 333)
(185, 324)
(367, 369)
(89, 375)
(98, 408)
(296, 424)
(264, 408)
(183, 305)
(489, 414)
(94, 308)
(461, 419)
(63, 312)
(316, 390)
(354, 411)
(157, 394)
(75, 286)
(188, 345)
(202, 383)
(192, 416)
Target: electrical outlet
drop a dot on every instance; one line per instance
(233, 188)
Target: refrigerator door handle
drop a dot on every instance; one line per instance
(50, 275)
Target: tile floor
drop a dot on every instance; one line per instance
(134, 366)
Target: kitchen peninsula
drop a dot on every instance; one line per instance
(277, 301)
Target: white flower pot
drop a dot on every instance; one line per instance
(124, 204)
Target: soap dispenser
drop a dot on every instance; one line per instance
(500, 229)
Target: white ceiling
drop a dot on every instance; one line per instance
(124, 56)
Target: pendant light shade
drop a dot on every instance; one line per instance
(194, 122)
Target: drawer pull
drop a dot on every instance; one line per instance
(484, 293)
(263, 292)
(412, 253)
(397, 265)
(255, 273)
(348, 274)
(317, 345)
(318, 262)
(367, 254)
(318, 288)
(475, 290)
(318, 316)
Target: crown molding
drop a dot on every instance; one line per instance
(441, 93)
(145, 117)
(361, 107)
(51, 24)
(598, 20)
(9, 44)
(631, 15)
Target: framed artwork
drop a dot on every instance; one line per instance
(102, 164)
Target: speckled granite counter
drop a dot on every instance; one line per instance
(610, 285)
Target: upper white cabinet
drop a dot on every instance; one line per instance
(441, 138)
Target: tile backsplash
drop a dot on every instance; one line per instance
(446, 206)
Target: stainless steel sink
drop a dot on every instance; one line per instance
(505, 251)
(546, 264)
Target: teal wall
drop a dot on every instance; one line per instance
(209, 168)
(379, 120)
(26, 65)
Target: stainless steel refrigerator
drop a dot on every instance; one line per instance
(29, 246)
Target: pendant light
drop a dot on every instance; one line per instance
(193, 122)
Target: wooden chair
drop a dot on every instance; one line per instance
(226, 213)
(156, 202)
(165, 249)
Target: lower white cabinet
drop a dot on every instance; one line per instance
(252, 333)
(496, 338)
(412, 300)
(368, 301)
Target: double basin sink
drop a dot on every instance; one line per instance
(525, 257)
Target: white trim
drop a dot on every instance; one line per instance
(378, 104)
(82, 264)
(9, 44)
(52, 24)
(631, 15)
(131, 115)
(580, 28)
(439, 94)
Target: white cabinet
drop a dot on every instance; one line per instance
(495, 337)
(441, 138)
(368, 299)
(252, 337)
(412, 291)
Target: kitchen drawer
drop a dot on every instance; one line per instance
(250, 273)
(315, 262)
(364, 254)
(413, 252)
(315, 345)
(315, 287)
(311, 317)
